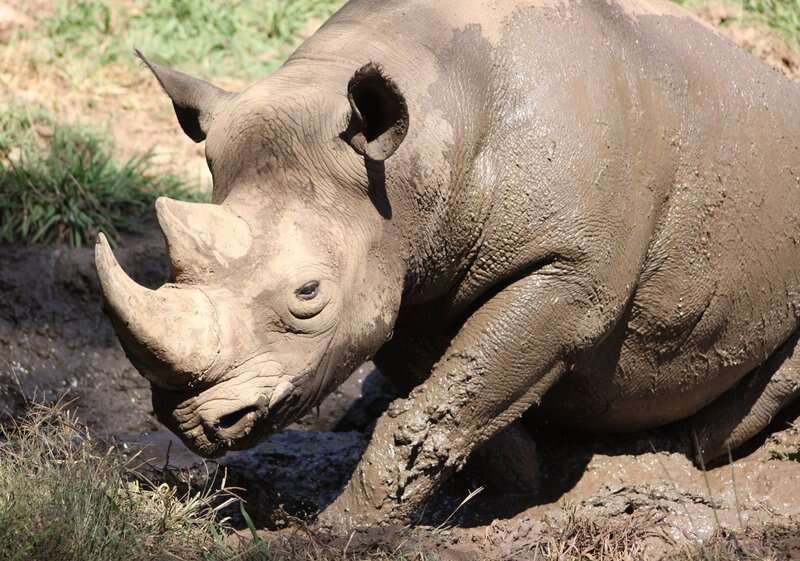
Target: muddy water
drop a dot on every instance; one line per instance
(751, 490)
(54, 338)
(297, 472)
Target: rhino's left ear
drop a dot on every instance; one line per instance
(379, 114)
(195, 101)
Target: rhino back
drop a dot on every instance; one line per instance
(718, 290)
(509, 103)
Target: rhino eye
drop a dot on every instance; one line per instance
(308, 291)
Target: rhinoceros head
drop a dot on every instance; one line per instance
(289, 280)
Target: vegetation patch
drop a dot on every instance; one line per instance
(769, 543)
(240, 39)
(578, 537)
(61, 183)
(68, 497)
(63, 497)
(781, 15)
(642, 536)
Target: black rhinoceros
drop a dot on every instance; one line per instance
(588, 207)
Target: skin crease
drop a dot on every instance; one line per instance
(593, 214)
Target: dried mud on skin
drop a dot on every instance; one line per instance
(610, 494)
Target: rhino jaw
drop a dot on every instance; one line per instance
(232, 414)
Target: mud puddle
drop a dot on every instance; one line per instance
(54, 337)
(295, 473)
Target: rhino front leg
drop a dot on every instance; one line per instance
(508, 462)
(504, 359)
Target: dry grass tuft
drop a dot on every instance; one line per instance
(763, 544)
(63, 496)
(578, 537)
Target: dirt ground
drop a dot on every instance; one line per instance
(54, 338)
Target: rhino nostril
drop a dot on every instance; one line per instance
(232, 419)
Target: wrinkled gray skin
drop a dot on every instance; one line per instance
(588, 208)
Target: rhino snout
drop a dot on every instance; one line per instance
(230, 424)
(231, 414)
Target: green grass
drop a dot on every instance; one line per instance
(784, 456)
(243, 39)
(61, 183)
(781, 15)
(70, 187)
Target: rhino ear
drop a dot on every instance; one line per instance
(379, 114)
(195, 101)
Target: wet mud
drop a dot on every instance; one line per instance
(54, 339)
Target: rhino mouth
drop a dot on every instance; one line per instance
(206, 435)
(211, 425)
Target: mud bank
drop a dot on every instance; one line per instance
(55, 338)
(663, 495)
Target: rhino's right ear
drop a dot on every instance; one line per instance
(378, 114)
(195, 101)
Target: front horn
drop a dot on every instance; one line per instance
(170, 334)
